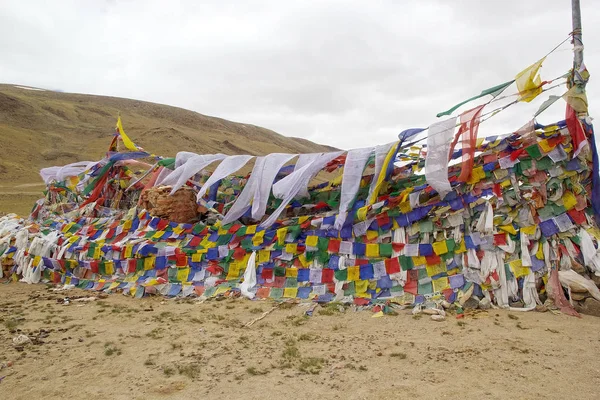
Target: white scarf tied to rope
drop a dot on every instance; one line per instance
(590, 254)
(272, 164)
(227, 167)
(439, 139)
(353, 170)
(61, 173)
(249, 277)
(258, 187)
(296, 181)
(189, 168)
(304, 159)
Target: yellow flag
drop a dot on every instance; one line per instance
(569, 200)
(97, 253)
(381, 178)
(303, 260)
(149, 263)
(528, 82)
(373, 234)
(126, 141)
(508, 228)
(291, 248)
(182, 274)
(372, 250)
(128, 251)
(109, 267)
(361, 213)
(361, 286)
(264, 256)
(440, 284)
(281, 233)
(353, 273)
(234, 271)
(440, 248)
(312, 240)
(258, 238)
(462, 247)
(419, 260)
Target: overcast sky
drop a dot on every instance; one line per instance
(344, 73)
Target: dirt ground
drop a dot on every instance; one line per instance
(19, 198)
(156, 348)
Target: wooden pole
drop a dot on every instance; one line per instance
(577, 43)
(578, 65)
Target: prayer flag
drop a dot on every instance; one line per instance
(576, 130)
(529, 82)
(126, 141)
(494, 91)
(436, 163)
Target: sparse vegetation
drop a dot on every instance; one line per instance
(156, 333)
(191, 370)
(11, 324)
(337, 327)
(290, 352)
(311, 365)
(110, 349)
(332, 308)
(305, 337)
(256, 371)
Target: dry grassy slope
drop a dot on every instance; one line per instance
(44, 128)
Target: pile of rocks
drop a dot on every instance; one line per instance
(180, 207)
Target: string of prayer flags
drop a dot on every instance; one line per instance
(494, 91)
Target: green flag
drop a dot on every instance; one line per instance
(494, 91)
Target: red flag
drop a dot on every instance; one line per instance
(469, 125)
(132, 265)
(392, 265)
(327, 275)
(576, 130)
(497, 190)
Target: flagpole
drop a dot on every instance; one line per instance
(577, 45)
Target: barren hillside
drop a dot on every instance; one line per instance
(45, 128)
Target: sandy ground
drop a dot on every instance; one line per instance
(156, 348)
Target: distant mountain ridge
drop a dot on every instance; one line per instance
(42, 128)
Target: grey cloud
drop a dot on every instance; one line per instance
(349, 73)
